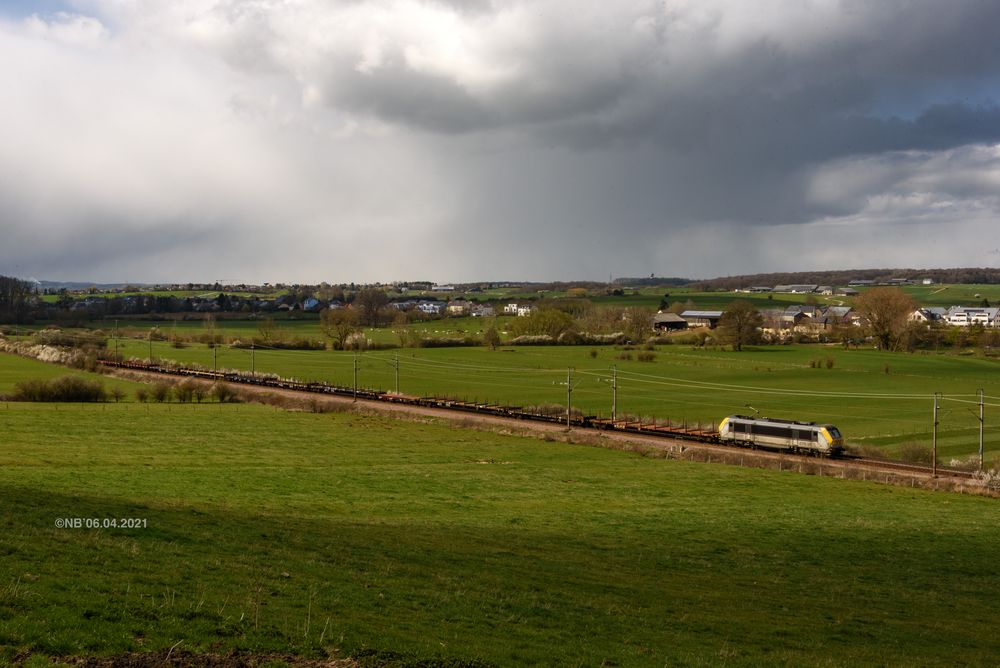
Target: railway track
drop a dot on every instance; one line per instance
(673, 432)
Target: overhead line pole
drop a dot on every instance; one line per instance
(934, 437)
(355, 376)
(569, 395)
(614, 393)
(395, 363)
(253, 361)
(981, 422)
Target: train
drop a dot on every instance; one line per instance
(787, 435)
(736, 430)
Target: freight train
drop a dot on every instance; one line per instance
(783, 435)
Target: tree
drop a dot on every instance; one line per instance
(338, 324)
(887, 311)
(369, 302)
(14, 294)
(740, 324)
(491, 337)
(638, 323)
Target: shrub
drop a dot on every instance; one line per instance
(915, 453)
(142, 394)
(626, 356)
(184, 390)
(593, 353)
(161, 391)
(645, 356)
(117, 394)
(223, 393)
(198, 392)
(65, 388)
(829, 362)
(532, 340)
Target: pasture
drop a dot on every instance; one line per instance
(876, 398)
(306, 533)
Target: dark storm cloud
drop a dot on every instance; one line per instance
(692, 137)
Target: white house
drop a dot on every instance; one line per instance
(965, 316)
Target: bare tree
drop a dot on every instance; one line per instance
(887, 311)
(740, 324)
(638, 322)
(14, 295)
(338, 325)
(370, 302)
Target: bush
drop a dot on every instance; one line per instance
(161, 391)
(223, 393)
(142, 394)
(532, 340)
(626, 356)
(184, 390)
(829, 362)
(117, 394)
(915, 453)
(65, 388)
(645, 356)
(593, 353)
(57, 337)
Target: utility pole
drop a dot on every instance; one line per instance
(355, 377)
(569, 395)
(149, 359)
(253, 360)
(981, 420)
(614, 393)
(116, 339)
(215, 357)
(934, 437)
(395, 363)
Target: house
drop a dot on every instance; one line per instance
(481, 311)
(962, 316)
(794, 316)
(760, 288)
(927, 281)
(443, 288)
(430, 308)
(459, 307)
(928, 315)
(846, 292)
(825, 289)
(702, 318)
(861, 283)
(510, 309)
(524, 311)
(668, 322)
(312, 305)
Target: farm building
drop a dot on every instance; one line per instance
(668, 322)
(702, 318)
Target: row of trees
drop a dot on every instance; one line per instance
(14, 296)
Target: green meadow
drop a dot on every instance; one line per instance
(877, 398)
(275, 531)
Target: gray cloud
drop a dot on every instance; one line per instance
(364, 140)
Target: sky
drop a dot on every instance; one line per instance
(461, 140)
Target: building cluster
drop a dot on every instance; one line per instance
(815, 319)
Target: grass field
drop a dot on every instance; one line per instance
(14, 369)
(269, 530)
(884, 399)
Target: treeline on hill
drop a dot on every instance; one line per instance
(845, 276)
